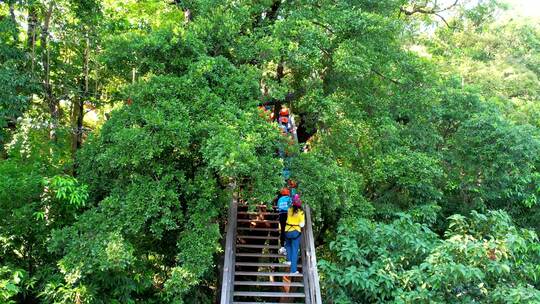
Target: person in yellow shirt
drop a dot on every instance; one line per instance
(293, 231)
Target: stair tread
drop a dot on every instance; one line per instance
(264, 264)
(268, 283)
(258, 229)
(256, 213)
(268, 274)
(258, 246)
(257, 221)
(276, 294)
(259, 255)
(236, 302)
(258, 237)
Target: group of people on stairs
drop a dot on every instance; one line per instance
(291, 222)
(288, 202)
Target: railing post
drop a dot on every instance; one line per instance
(311, 261)
(305, 268)
(227, 285)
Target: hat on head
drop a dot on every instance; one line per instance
(297, 203)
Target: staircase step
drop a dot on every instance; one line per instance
(267, 274)
(256, 237)
(258, 246)
(259, 209)
(262, 303)
(258, 229)
(267, 283)
(236, 302)
(269, 294)
(256, 213)
(259, 255)
(264, 264)
(257, 221)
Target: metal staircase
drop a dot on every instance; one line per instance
(254, 272)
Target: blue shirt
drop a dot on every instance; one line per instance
(284, 203)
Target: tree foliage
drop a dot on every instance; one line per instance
(125, 126)
(481, 258)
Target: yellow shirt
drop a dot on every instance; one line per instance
(294, 220)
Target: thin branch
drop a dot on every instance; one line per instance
(386, 77)
(444, 20)
(326, 27)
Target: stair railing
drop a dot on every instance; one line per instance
(312, 287)
(227, 283)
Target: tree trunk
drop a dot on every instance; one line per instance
(31, 39)
(54, 107)
(78, 107)
(279, 75)
(187, 15)
(14, 20)
(273, 13)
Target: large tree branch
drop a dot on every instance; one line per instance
(424, 9)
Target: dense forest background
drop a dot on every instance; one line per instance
(123, 123)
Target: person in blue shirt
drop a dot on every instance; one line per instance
(283, 204)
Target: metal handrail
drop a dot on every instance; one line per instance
(227, 283)
(312, 287)
(305, 268)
